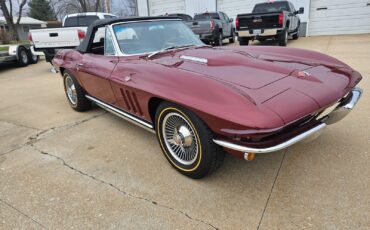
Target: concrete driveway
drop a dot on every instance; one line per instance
(60, 169)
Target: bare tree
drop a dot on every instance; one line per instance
(125, 8)
(64, 7)
(7, 9)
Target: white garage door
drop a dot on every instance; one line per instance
(328, 17)
(161, 7)
(235, 7)
(195, 6)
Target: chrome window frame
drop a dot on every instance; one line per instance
(118, 49)
(113, 42)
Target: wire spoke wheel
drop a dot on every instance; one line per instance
(71, 90)
(180, 138)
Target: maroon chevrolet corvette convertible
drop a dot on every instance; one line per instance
(202, 101)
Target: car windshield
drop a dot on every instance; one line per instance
(206, 16)
(146, 37)
(270, 7)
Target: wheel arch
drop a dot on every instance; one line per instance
(287, 25)
(153, 104)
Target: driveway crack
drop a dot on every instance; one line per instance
(24, 214)
(19, 125)
(122, 191)
(272, 188)
(49, 132)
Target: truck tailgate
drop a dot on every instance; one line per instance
(259, 21)
(202, 27)
(56, 37)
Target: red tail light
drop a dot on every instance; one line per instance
(281, 18)
(237, 23)
(81, 34)
(212, 25)
(30, 37)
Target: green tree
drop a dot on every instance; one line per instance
(41, 10)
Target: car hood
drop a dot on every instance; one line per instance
(280, 79)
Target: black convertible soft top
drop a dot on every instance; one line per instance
(84, 46)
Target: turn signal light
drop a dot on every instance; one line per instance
(81, 34)
(249, 156)
(237, 23)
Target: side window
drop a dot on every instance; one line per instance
(97, 45)
(108, 46)
(226, 18)
(292, 9)
(71, 21)
(222, 16)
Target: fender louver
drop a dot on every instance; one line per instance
(131, 101)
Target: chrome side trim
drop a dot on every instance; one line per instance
(122, 114)
(280, 146)
(194, 59)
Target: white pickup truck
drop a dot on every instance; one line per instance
(70, 35)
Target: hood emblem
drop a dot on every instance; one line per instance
(194, 59)
(303, 74)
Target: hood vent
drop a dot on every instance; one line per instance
(194, 59)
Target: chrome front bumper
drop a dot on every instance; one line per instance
(337, 114)
(343, 110)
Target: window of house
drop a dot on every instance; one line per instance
(26, 29)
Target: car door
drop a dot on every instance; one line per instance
(294, 17)
(95, 68)
(127, 78)
(229, 24)
(225, 25)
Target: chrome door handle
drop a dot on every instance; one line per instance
(127, 78)
(78, 65)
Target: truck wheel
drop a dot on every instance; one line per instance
(23, 57)
(218, 41)
(232, 38)
(34, 58)
(243, 41)
(283, 38)
(186, 141)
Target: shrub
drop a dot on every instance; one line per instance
(4, 37)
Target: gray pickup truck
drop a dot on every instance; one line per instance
(213, 27)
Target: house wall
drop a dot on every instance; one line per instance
(24, 29)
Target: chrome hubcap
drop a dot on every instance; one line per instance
(180, 138)
(71, 90)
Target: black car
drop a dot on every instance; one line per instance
(271, 20)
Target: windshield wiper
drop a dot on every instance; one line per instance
(169, 48)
